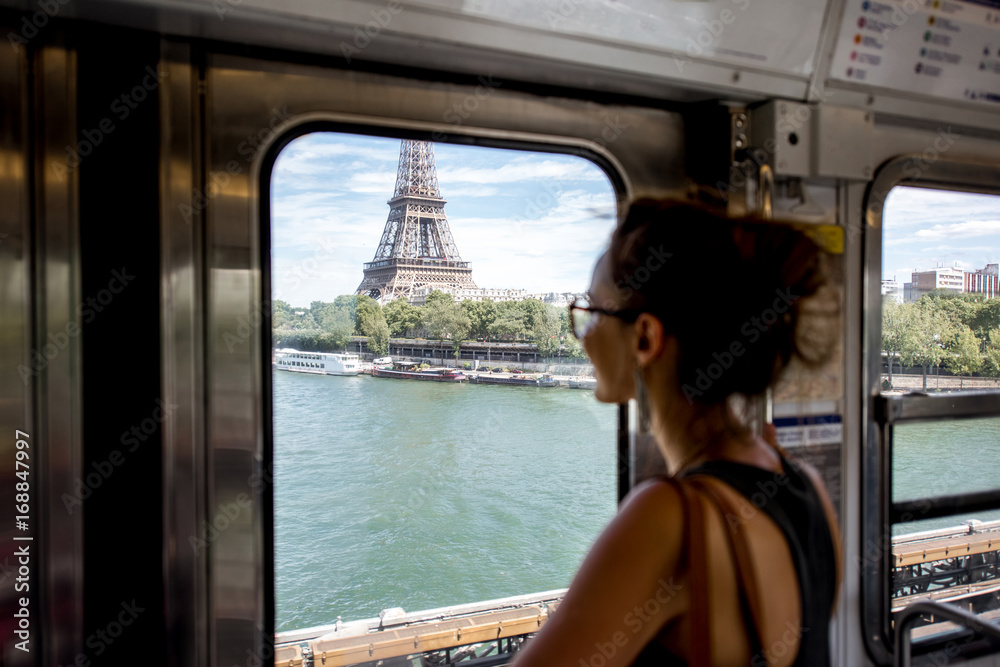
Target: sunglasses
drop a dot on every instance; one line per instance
(582, 316)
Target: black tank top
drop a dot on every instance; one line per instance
(796, 508)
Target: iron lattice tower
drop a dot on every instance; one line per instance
(417, 249)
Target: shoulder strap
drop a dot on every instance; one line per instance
(746, 579)
(697, 556)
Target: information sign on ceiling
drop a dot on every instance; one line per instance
(942, 48)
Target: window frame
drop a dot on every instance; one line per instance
(881, 413)
(620, 186)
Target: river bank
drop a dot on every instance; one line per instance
(902, 384)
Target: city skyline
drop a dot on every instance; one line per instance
(927, 228)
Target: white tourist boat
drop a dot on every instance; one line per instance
(319, 363)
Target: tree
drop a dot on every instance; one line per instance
(895, 322)
(371, 324)
(573, 348)
(281, 314)
(986, 319)
(401, 316)
(991, 357)
(445, 320)
(533, 312)
(922, 342)
(481, 315)
(378, 338)
(963, 357)
(546, 333)
(367, 313)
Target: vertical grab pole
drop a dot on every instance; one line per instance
(765, 405)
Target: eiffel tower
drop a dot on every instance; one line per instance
(417, 249)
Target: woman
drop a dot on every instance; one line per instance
(731, 560)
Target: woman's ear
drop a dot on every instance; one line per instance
(649, 339)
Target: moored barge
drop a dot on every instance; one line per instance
(430, 374)
(546, 380)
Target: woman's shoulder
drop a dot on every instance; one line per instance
(655, 505)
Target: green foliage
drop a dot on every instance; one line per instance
(895, 324)
(445, 320)
(960, 331)
(371, 324)
(328, 326)
(481, 314)
(378, 338)
(545, 332)
(925, 336)
(533, 312)
(281, 314)
(401, 317)
(573, 348)
(963, 352)
(991, 357)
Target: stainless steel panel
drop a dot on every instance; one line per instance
(18, 379)
(918, 407)
(251, 104)
(182, 280)
(429, 37)
(58, 386)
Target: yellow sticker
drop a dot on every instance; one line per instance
(828, 237)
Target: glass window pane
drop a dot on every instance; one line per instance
(953, 561)
(944, 458)
(390, 492)
(941, 291)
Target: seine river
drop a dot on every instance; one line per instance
(393, 493)
(418, 495)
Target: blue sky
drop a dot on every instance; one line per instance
(533, 221)
(925, 228)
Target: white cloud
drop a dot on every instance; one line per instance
(960, 230)
(521, 169)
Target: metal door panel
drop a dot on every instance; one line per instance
(249, 105)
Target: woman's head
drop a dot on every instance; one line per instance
(724, 294)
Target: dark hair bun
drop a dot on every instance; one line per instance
(729, 290)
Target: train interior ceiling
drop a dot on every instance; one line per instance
(139, 139)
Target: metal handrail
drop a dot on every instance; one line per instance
(916, 406)
(909, 616)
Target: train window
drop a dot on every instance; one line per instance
(939, 382)
(459, 468)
